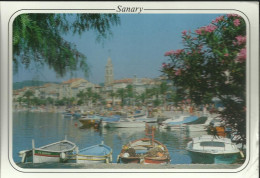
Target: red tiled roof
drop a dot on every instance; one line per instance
(127, 80)
(72, 80)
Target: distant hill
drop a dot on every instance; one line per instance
(29, 83)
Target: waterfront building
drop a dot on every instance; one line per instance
(48, 90)
(72, 87)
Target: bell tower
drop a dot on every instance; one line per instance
(109, 74)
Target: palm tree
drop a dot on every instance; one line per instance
(20, 100)
(28, 94)
(82, 96)
(130, 92)
(121, 93)
(89, 95)
(163, 91)
(112, 95)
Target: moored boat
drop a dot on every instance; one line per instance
(146, 119)
(201, 124)
(144, 151)
(105, 120)
(179, 123)
(90, 120)
(209, 149)
(54, 152)
(100, 153)
(126, 123)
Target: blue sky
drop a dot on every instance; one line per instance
(137, 46)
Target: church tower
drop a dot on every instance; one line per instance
(109, 75)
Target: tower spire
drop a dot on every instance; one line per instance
(109, 74)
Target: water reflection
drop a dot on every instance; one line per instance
(46, 128)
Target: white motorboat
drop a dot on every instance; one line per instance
(209, 149)
(201, 124)
(126, 123)
(179, 123)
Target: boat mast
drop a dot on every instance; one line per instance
(147, 129)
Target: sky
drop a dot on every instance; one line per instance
(136, 47)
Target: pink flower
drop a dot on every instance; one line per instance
(233, 15)
(184, 32)
(236, 22)
(226, 54)
(169, 53)
(178, 72)
(164, 65)
(218, 19)
(178, 51)
(241, 57)
(210, 28)
(198, 31)
(240, 39)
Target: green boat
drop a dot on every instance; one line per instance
(210, 149)
(54, 152)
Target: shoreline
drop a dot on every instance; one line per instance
(126, 166)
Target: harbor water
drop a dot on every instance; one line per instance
(46, 128)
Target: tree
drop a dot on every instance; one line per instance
(212, 64)
(20, 100)
(112, 95)
(82, 96)
(163, 91)
(28, 94)
(38, 38)
(122, 94)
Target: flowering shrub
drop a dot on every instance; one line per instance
(213, 64)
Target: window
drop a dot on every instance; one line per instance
(213, 144)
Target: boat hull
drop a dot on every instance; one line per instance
(92, 155)
(196, 128)
(128, 160)
(125, 124)
(142, 153)
(46, 157)
(207, 158)
(89, 159)
(154, 160)
(54, 152)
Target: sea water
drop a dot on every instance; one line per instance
(46, 128)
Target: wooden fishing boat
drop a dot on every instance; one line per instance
(144, 151)
(100, 153)
(88, 121)
(54, 152)
(209, 149)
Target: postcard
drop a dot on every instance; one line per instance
(129, 89)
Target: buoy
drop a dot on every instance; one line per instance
(62, 156)
(76, 124)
